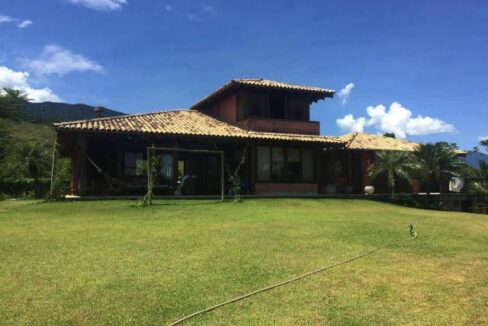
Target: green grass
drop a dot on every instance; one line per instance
(108, 262)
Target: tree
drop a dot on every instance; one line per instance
(35, 159)
(484, 143)
(11, 102)
(395, 165)
(438, 162)
(389, 134)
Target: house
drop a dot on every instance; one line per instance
(261, 127)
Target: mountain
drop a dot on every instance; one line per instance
(49, 112)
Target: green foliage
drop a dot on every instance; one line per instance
(11, 102)
(484, 143)
(476, 180)
(395, 165)
(389, 134)
(25, 154)
(16, 187)
(437, 163)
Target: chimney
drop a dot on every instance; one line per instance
(98, 111)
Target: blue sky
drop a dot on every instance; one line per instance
(419, 68)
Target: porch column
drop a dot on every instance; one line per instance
(318, 167)
(74, 172)
(82, 165)
(252, 168)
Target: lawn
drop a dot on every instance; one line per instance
(109, 262)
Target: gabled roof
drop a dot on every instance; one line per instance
(316, 92)
(362, 141)
(184, 123)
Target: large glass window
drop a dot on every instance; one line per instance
(263, 163)
(166, 164)
(134, 164)
(278, 164)
(294, 165)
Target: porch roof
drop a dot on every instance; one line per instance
(184, 123)
(362, 141)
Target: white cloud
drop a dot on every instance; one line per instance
(345, 92)
(397, 120)
(20, 80)
(209, 10)
(168, 8)
(24, 24)
(57, 60)
(105, 5)
(351, 124)
(480, 138)
(7, 19)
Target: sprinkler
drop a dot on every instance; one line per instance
(413, 233)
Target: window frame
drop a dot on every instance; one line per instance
(287, 178)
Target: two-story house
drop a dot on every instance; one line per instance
(257, 129)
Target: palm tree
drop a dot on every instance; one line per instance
(395, 165)
(478, 178)
(11, 101)
(438, 162)
(35, 159)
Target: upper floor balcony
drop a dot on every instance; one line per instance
(281, 125)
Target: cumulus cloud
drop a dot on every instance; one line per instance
(397, 119)
(6, 19)
(345, 92)
(104, 5)
(56, 60)
(20, 80)
(24, 24)
(351, 124)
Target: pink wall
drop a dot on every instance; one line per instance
(226, 109)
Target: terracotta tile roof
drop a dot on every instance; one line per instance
(182, 122)
(362, 141)
(317, 92)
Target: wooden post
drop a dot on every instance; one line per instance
(74, 172)
(349, 168)
(319, 152)
(53, 164)
(222, 176)
(252, 168)
(82, 165)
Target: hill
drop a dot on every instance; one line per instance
(49, 112)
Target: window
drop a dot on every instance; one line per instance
(263, 169)
(166, 163)
(134, 164)
(278, 164)
(255, 104)
(294, 165)
(277, 106)
(297, 109)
